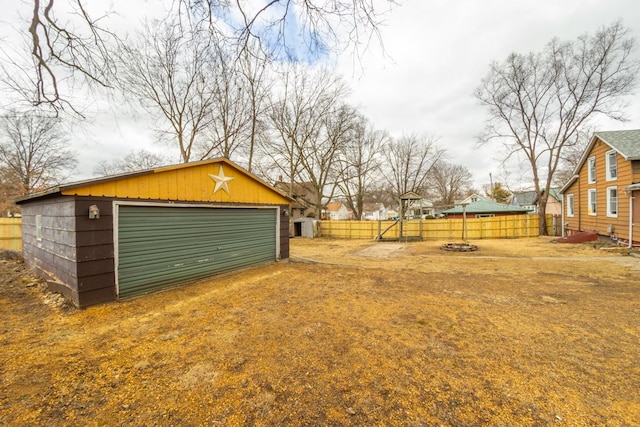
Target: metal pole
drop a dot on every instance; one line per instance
(464, 223)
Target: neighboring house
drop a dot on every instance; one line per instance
(374, 211)
(420, 208)
(337, 211)
(390, 214)
(304, 196)
(471, 199)
(529, 200)
(482, 208)
(603, 196)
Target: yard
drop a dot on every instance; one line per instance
(521, 332)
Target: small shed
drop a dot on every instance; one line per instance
(125, 235)
(303, 227)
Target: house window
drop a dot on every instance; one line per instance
(591, 164)
(593, 204)
(612, 201)
(570, 208)
(485, 215)
(612, 165)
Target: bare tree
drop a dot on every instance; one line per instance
(320, 156)
(170, 73)
(317, 25)
(134, 161)
(409, 160)
(61, 51)
(64, 50)
(231, 107)
(10, 189)
(449, 182)
(570, 157)
(297, 117)
(33, 152)
(361, 164)
(538, 103)
(253, 67)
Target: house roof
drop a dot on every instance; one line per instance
(625, 142)
(524, 198)
(528, 198)
(184, 181)
(470, 198)
(372, 206)
(555, 193)
(411, 196)
(303, 193)
(485, 206)
(568, 184)
(334, 206)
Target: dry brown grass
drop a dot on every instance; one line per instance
(521, 332)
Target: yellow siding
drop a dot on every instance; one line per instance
(186, 183)
(600, 223)
(11, 234)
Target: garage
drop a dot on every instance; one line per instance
(158, 247)
(123, 236)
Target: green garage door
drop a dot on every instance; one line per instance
(159, 247)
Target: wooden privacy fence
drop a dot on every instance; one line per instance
(499, 227)
(11, 234)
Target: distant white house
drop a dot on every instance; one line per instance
(374, 211)
(337, 211)
(420, 208)
(472, 199)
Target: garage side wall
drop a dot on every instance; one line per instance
(49, 243)
(94, 246)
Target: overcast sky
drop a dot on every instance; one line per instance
(437, 52)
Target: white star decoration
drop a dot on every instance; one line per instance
(221, 181)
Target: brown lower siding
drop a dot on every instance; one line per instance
(284, 232)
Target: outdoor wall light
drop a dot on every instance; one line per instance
(94, 212)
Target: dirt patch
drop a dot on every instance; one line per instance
(381, 250)
(521, 332)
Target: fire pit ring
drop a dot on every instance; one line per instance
(459, 247)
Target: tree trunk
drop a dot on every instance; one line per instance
(542, 212)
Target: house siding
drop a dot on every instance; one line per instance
(601, 223)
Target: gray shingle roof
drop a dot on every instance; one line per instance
(524, 198)
(626, 142)
(484, 206)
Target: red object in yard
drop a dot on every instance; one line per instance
(581, 237)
